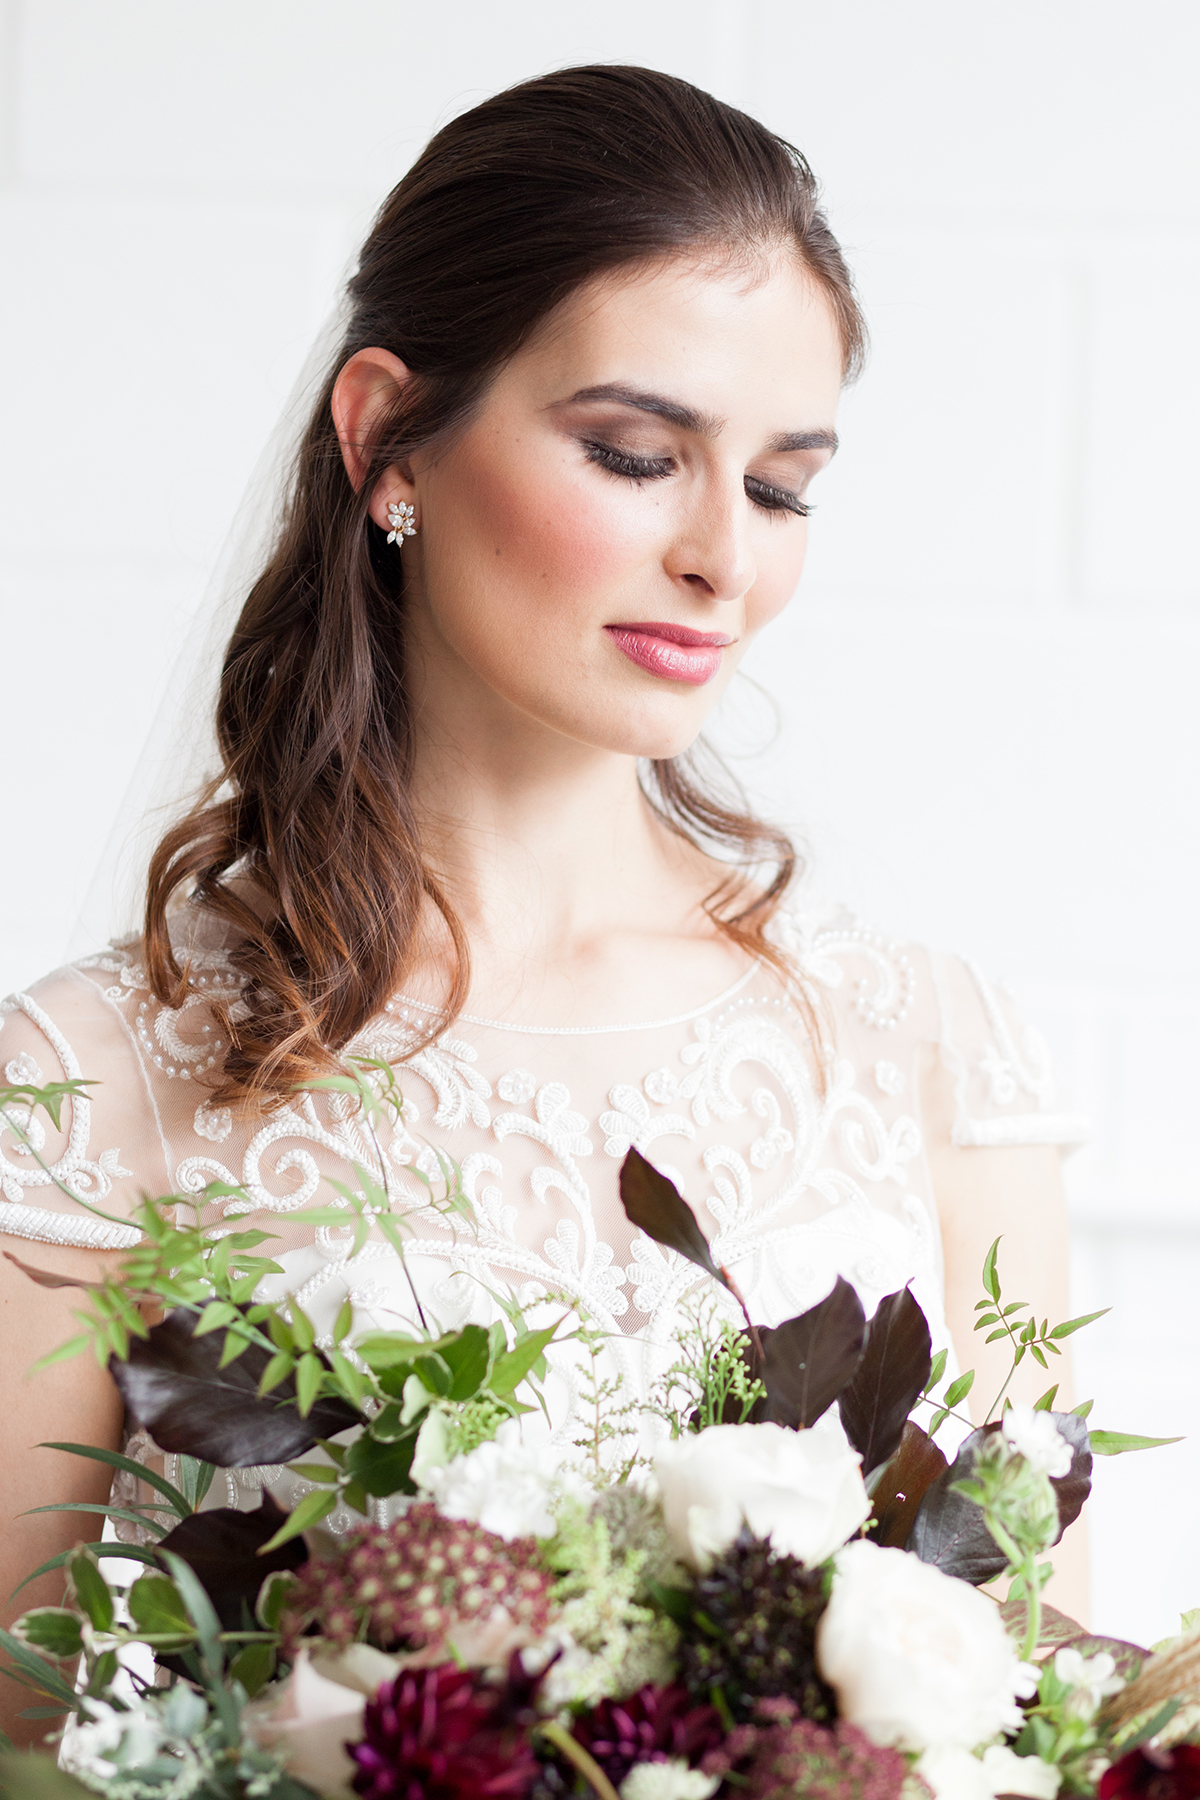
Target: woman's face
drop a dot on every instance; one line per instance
(627, 508)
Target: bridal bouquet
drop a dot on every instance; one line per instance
(782, 1595)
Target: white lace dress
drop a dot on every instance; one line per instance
(791, 1184)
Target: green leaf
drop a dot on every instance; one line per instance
(958, 1390)
(1070, 1325)
(1035, 1351)
(939, 1418)
(1083, 1409)
(325, 1473)
(308, 1511)
(344, 1320)
(277, 1370)
(156, 1606)
(302, 1327)
(511, 1368)
(124, 1553)
(143, 1520)
(37, 1671)
(382, 1468)
(253, 1666)
(991, 1280)
(468, 1353)
(1116, 1443)
(235, 1345)
(199, 1609)
(195, 1479)
(936, 1372)
(308, 1382)
(272, 1598)
(986, 1319)
(91, 1589)
(1046, 1403)
(218, 1313)
(158, 1482)
(993, 1335)
(53, 1629)
(71, 1348)
(389, 1350)
(1016, 1307)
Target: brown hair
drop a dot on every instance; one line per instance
(508, 210)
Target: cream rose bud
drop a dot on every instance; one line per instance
(801, 1489)
(916, 1658)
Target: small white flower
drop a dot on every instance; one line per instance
(661, 1086)
(917, 1659)
(1094, 1679)
(801, 1489)
(504, 1486)
(667, 1781)
(1036, 1437)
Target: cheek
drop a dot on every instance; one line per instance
(780, 565)
(543, 535)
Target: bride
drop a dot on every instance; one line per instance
(555, 484)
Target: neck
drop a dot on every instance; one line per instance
(550, 855)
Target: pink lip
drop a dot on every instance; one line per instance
(671, 651)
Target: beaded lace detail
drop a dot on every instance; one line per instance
(794, 1179)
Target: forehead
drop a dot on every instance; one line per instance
(727, 335)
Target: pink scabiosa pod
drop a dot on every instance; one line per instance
(781, 1755)
(424, 1584)
(445, 1734)
(657, 1724)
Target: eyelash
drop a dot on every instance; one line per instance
(769, 499)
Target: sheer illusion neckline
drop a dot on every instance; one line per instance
(683, 1018)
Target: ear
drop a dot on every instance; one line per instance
(365, 388)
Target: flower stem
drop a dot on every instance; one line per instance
(574, 1752)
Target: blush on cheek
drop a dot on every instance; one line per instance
(557, 534)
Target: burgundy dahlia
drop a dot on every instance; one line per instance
(1148, 1774)
(780, 1755)
(445, 1734)
(410, 1583)
(657, 1724)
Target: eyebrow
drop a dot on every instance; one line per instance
(704, 424)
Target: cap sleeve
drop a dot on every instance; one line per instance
(109, 1149)
(1004, 1086)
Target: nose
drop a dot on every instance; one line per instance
(712, 554)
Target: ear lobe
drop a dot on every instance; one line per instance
(365, 388)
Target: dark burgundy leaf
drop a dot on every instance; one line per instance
(1057, 1627)
(173, 1386)
(45, 1279)
(1073, 1488)
(656, 1205)
(903, 1485)
(949, 1529)
(222, 1547)
(889, 1379)
(807, 1361)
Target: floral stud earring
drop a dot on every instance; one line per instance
(400, 518)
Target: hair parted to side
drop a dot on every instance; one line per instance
(307, 846)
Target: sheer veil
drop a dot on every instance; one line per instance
(179, 753)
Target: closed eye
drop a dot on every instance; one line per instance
(764, 494)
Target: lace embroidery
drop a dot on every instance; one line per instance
(793, 1181)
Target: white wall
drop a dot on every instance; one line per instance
(988, 684)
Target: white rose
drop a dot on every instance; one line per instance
(801, 1489)
(917, 1658)
(505, 1486)
(1013, 1774)
(1036, 1437)
(308, 1719)
(954, 1774)
(667, 1781)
